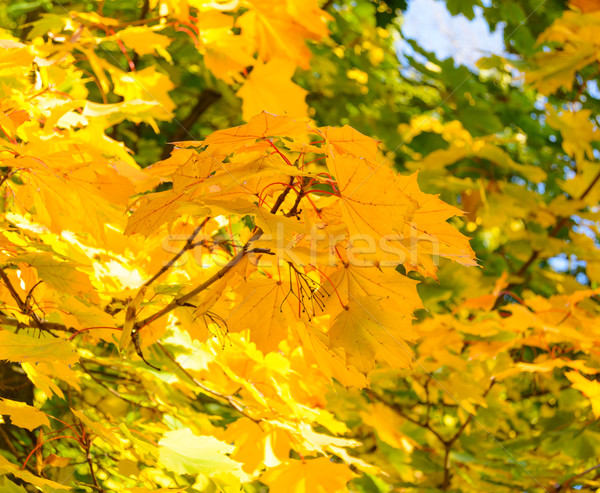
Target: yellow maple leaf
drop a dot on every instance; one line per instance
(269, 87)
(428, 236)
(586, 5)
(331, 361)
(23, 415)
(387, 425)
(226, 55)
(7, 467)
(21, 348)
(143, 40)
(392, 290)
(373, 205)
(589, 388)
(577, 132)
(257, 445)
(557, 68)
(308, 476)
(346, 140)
(266, 308)
(366, 332)
(259, 127)
(275, 31)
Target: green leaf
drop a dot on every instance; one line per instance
(24, 349)
(183, 452)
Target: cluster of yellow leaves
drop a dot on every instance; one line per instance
(298, 232)
(576, 34)
(256, 45)
(554, 326)
(462, 145)
(326, 273)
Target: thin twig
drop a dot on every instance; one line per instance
(113, 391)
(238, 406)
(572, 479)
(198, 289)
(555, 230)
(189, 245)
(219, 275)
(23, 306)
(207, 98)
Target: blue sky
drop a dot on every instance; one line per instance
(435, 29)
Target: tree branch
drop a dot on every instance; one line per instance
(448, 445)
(198, 289)
(567, 484)
(327, 4)
(23, 306)
(13, 322)
(113, 391)
(189, 245)
(238, 406)
(446, 442)
(207, 98)
(224, 270)
(555, 230)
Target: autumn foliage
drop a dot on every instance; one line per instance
(246, 247)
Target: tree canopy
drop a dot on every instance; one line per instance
(249, 245)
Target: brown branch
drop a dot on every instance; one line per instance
(207, 98)
(427, 397)
(327, 4)
(238, 406)
(224, 270)
(189, 245)
(11, 289)
(23, 306)
(198, 289)
(447, 478)
(282, 197)
(13, 322)
(87, 445)
(294, 210)
(471, 416)
(555, 230)
(571, 480)
(448, 445)
(446, 442)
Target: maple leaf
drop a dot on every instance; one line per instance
(256, 444)
(143, 40)
(277, 33)
(269, 88)
(22, 415)
(589, 388)
(226, 55)
(319, 475)
(184, 452)
(363, 197)
(331, 360)
(21, 348)
(262, 126)
(266, 308)
(392, 290)
(366, 332)
(347, 140)
(7, 467)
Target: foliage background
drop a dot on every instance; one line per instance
(502, 394)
